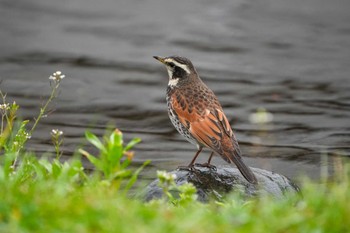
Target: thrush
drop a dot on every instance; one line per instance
(197, 115)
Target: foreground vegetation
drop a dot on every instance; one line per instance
(38, 194)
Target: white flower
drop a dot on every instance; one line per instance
(57, 76)
(27, 135)
(167, 176)
(56, 132)
(5, 106)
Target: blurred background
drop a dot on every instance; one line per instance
(291, 58)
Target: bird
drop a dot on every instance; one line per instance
(196, 113)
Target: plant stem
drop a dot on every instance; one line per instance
(2, 123)
(43, 109)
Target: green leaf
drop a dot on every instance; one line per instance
(95, 161)
(56, 168)
(132, 143)
(134, 176)
(125, 163)
(115, 153)
(116, 137)
(121, 174)
(93, 139)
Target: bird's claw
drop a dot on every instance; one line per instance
(208, 165)
(186, 168)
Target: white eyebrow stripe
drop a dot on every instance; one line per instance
(182, 66)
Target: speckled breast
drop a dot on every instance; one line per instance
(175, 120)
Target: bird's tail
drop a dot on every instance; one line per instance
(244, 169)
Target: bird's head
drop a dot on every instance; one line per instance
(179, 68)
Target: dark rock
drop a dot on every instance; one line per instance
(217, 182)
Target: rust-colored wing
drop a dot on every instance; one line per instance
(207, 126)
(210, 127)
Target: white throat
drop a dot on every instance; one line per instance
(173, 82)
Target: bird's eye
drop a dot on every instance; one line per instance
(172, 65)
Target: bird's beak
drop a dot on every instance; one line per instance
(161, 59)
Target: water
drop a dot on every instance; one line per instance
(290, 57)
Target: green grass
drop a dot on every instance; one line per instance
(41, 195)
(64, 205)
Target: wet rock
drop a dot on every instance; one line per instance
(215, 183)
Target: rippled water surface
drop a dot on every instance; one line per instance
(290, 57)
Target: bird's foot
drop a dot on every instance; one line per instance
(186, 168)
(208, 165)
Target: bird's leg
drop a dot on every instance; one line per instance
(190, 166)
(195, 157)
(207, 164)
(210, 157)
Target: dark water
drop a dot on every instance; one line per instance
(290, 57)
